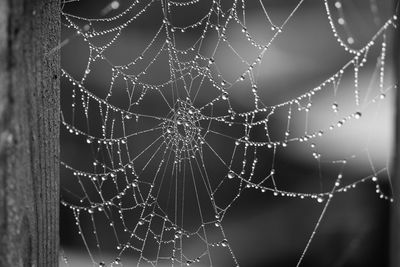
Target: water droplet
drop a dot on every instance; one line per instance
(335, 107)
(224, 243)
(320, 199)
(231, 175)
(357, 115)
(114, 4)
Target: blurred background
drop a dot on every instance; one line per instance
(262, 229)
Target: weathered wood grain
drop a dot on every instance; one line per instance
(29, 132)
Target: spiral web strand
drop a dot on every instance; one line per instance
(166, 160)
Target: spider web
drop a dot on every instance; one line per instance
(167, 146)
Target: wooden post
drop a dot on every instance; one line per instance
(29, 132)
(395, 207)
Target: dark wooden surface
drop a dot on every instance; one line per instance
(29, 132)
